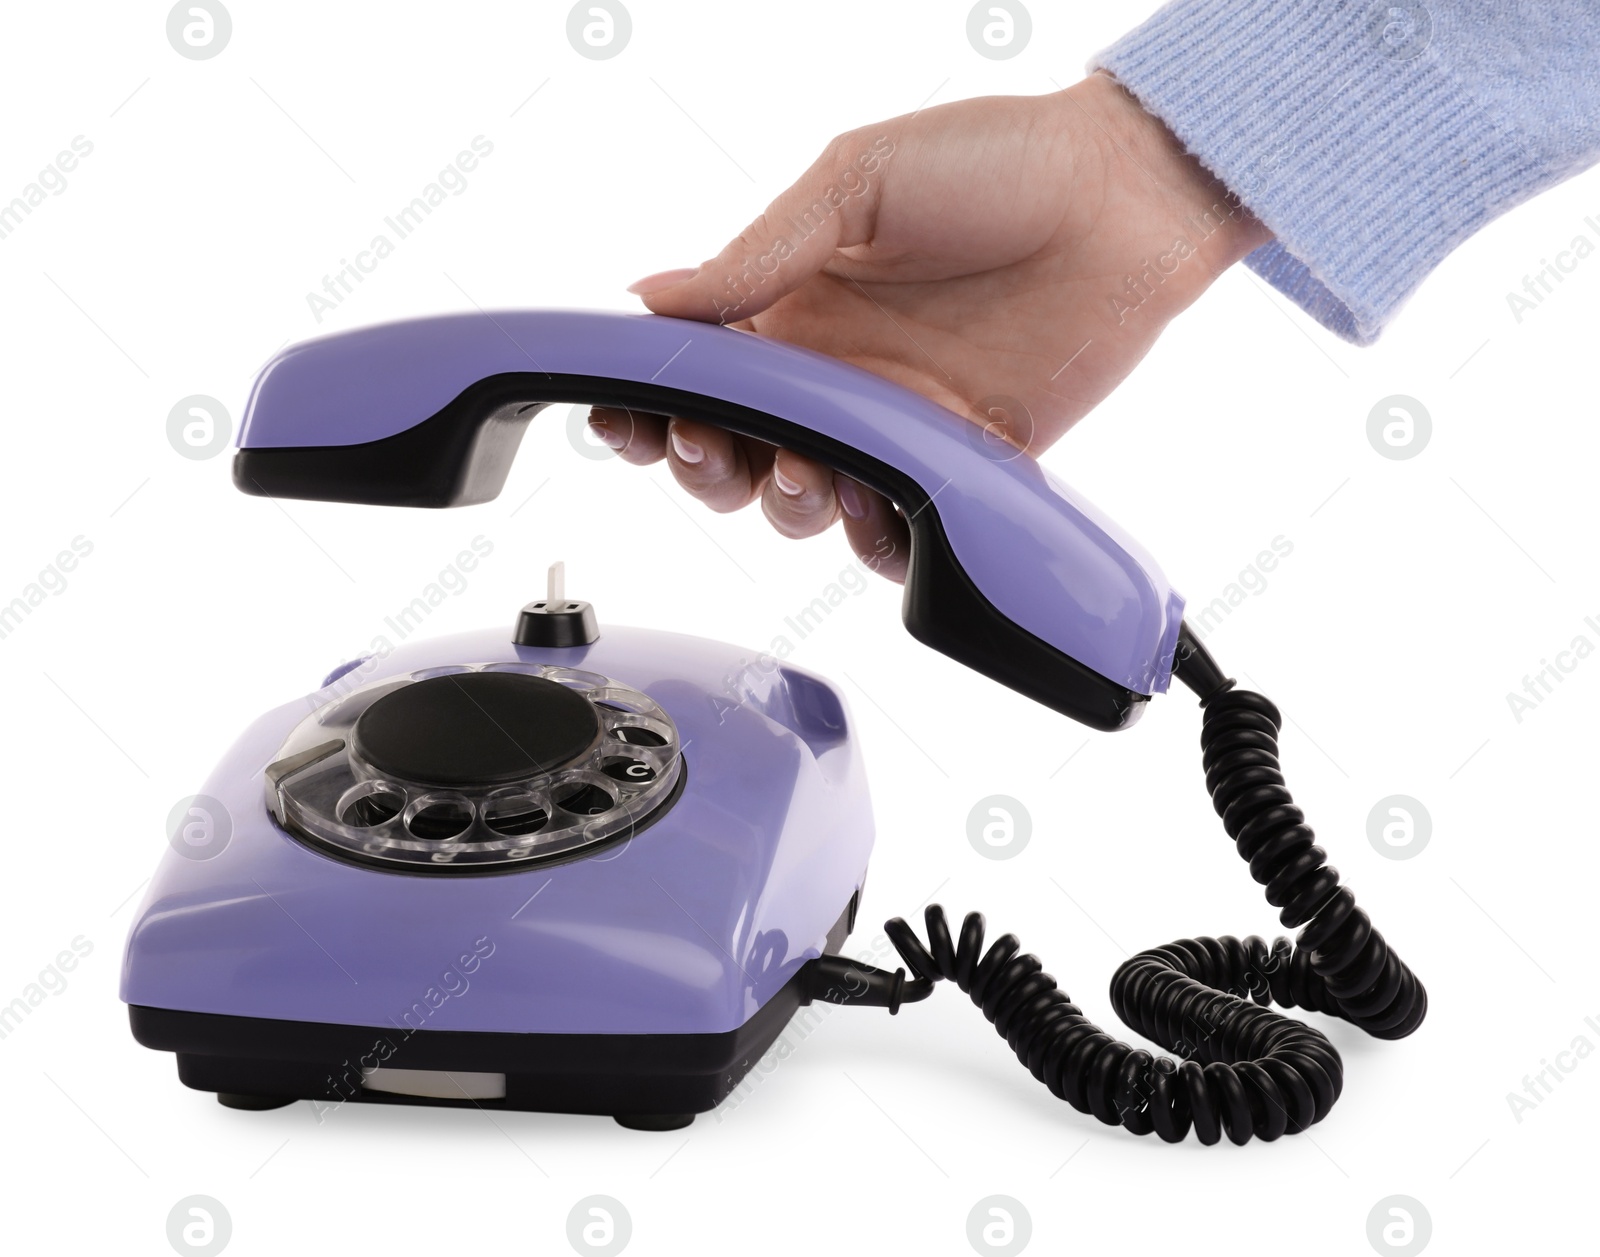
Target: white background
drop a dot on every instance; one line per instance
(1418, 593)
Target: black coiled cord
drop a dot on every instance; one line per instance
(1341, 963)
(1246, 1070)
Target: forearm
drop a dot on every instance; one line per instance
(1370, 145)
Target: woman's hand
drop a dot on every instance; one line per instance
(1011, 258)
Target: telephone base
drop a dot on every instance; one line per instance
(644, 1081)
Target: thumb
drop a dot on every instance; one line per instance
(832, 206)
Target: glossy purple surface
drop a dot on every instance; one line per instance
(1043, 555)
(687, 928)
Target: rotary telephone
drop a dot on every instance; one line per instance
(549, 868)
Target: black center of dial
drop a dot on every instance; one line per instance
(475, 729)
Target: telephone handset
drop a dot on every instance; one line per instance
(1011, 572)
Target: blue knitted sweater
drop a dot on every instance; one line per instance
(1371, 138)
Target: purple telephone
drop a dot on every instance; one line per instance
(638, 884)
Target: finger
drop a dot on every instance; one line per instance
(877, 532)
(798, 498)
(832, 206)
(638, 438)
(722, 470)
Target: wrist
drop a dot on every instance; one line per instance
(1189, 212)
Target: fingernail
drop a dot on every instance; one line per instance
(614, 439)
(661, 280)
(786, 486)
(849, 494)
(684, 448)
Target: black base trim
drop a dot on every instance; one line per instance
(253, 1104)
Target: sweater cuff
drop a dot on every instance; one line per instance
(1345, 133)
